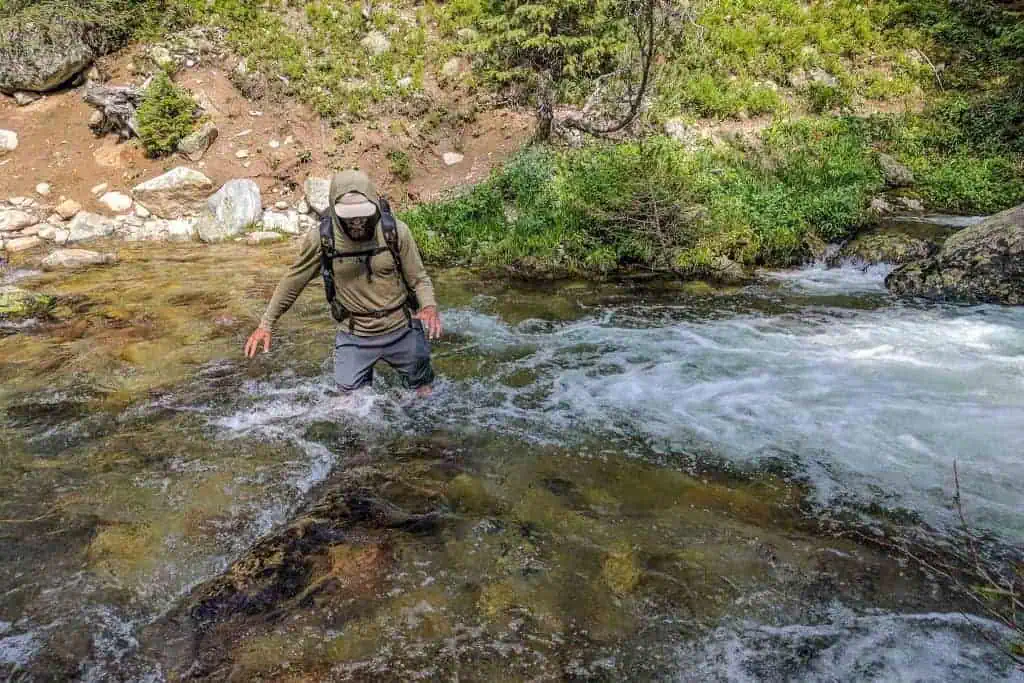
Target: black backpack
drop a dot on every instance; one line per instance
(389, 228)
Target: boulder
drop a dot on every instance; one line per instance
(255, 238)
(194, 146)
(40, 55)
(894, 248)
(68, 209)
(116, 202)
(286, 222)
(880, 206)
(69, 259)
(159, 230)
(896, 174)
(12, 220)
(178, 193)
(911, 204)
(983, 263)
(723, 269)
(318, 191)
(89, 226)
(232, 209)
(376, 43)
(22, 244)
(8, 141)
(20, 303)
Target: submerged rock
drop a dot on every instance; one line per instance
(70, 259)
(984, 263)
(21, 303)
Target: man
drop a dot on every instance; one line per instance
(373, 279)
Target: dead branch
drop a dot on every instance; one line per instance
(117, 106)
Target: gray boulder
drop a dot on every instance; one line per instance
(896, 174)
(318, 192)
(232, 209)
(282, 221)
(983, 263)
(89, 226)
(12, 220)
(70, 259)
(40, 53)
(194, 146)
(178, 193)
(894, 248)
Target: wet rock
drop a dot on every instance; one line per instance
(723, 269)
(8, 141)
(318, 192)
(263, 237)
(886, 247)
(910, 204)
(43, 189)
(68, 209)
(89, 226)
(12, 220)
(22, 244)
(452, 158)
(468, 494)
(620, 571)
(286, 222)
(896, 174)
(232, 209)
(194, 146)
(70, 259)
(178, 193)
(20, 303)
(116, 202)
(983, 263)
(23, 99)
(160, 230)
(376, 43)
(38, 56)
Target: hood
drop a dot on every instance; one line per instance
(350, 181)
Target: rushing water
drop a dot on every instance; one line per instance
(137, 469)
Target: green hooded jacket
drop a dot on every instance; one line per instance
(355, 291)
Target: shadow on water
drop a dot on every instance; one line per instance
(633, 480)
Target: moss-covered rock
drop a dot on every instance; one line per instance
(16, 303)
(895, 248)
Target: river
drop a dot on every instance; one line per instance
(621, 481)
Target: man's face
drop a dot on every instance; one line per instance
(358, 228)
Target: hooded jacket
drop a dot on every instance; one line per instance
(357, 290)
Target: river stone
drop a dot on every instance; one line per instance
(89, 226)
(232, 209)
(723, 269)
(256, 238)
(23, 99)
(178, 193)
(43, 189)
(983, 263)
(286, 222)
(894, 248)
(896, 174)
(8, 141)
(69, 259)
(160, 230)
(911, 204)
(452, 158)
(20, 303)
(116, 202)
(12, 220)
(22, 244)
(38, 56)
(194, 146)
(68, 209)
(880, 206)
(318, 191)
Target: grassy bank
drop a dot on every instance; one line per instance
(654, 204)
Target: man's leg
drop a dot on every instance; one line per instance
(410, 356)
(353, 363)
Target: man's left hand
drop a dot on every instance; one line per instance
(431, 321)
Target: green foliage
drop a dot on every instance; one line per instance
(165, 116)
(401, 165)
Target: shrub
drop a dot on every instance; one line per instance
(401, 165)
(165, 116)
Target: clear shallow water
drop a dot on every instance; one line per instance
(816, 370)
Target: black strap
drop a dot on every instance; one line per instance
(389, 227)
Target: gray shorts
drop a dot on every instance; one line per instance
(406, 350)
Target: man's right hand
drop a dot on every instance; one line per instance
(253, 345)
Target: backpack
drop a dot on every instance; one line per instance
(389, 228)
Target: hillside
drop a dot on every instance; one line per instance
(757, 140)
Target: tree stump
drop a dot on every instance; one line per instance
(117, 106)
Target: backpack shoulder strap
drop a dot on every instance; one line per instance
(327, 254)
(389, 227)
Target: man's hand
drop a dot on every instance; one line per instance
(253, 345)
(431, 321)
